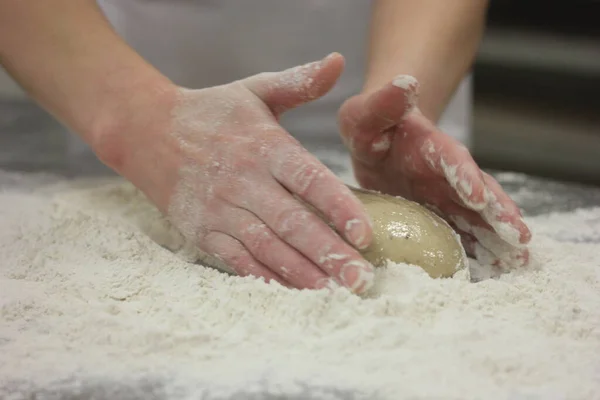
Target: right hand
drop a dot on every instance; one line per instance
(396, 150)
(218, 163)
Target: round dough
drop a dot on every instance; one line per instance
(406, 232)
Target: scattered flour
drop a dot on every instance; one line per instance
(99, 298)
(411, 86)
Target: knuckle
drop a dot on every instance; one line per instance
(206, 243)
(234, 256)
(203, 235)
(242, 165)
(233, 188)
(258, 239)
(241, 263)
(224, 192)
(331, 258)
(191, 229)
(305, 177)
(289, 220)
(211, 253)
(286, 155)
(297, 169)
(238, 260)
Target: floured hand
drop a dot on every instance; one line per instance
(397, 150)
(219, 164)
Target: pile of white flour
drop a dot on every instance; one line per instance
(97, 289)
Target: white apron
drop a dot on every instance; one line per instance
(201, 43)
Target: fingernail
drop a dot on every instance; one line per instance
(411, 87)
(405, 82)
(525, 235)
(328, 57)
(356, 233)
(358, 276)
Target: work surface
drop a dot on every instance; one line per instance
(98, 303)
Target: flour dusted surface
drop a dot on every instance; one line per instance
(96, 287)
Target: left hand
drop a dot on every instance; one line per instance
(396, 150)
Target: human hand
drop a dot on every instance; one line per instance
(218, 163)
(397, 150)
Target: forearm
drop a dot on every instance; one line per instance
(67, 57)
(434, 41)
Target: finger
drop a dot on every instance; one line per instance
(472, 247)
(494, 249)
(449, 158)
(366, 120)
(382, 109)
(302, 229)
(484, 256)
(440, 195)
(516, 259)
(503, 214)
(504, 254)
(306, 177)
(475, 249)
(500, 216)
(290, 88)
(235, 255)
(468, 241)
(273, 253)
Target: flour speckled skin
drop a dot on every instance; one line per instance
(100, 296)
(218, 145)
(396, 149)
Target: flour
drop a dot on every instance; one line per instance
(100, 295)
(411, 87)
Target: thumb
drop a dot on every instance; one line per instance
(290, 88)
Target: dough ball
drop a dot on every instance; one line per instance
(406, 232)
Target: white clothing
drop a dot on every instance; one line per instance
(201, 43)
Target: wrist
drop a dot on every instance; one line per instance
(128, 115)
(435, 45)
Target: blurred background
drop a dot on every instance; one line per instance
(537, 85)
(536, 97)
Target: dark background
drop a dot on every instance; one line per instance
(537, 89)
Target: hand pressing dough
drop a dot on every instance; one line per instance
(406, 232)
